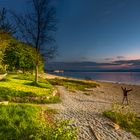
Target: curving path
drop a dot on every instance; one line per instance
(86, 113)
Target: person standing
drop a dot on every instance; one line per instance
(125, 94)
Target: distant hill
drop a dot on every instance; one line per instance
(91, 67)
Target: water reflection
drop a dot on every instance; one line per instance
(123, 77)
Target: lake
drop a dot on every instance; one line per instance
(119, 77)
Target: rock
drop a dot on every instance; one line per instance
(88, 89)
(114, 125)
(48, 97)
(86, 93)
(54, 92)
(4, 102)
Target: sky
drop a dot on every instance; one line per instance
(101, 31)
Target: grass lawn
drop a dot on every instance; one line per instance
(22, 121)
(29, 122)
(74, 85)
(15, 89)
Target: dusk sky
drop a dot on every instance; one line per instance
(94, 30)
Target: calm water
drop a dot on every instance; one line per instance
(121, 77)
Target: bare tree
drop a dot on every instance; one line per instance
(5, 25)
(37, 27)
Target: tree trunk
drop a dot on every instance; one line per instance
(36, 67)
(36, 73)
(23, 71)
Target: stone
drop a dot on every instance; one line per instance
(114, 125)
(4, 102)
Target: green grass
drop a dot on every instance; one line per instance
(30, 77)
(28, 122)
(25, 85)
(25, 76)
(74, 85)
(127, 120)
(15, 89)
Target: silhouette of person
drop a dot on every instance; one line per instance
(125, 93)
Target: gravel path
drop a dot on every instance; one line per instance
(86, 112)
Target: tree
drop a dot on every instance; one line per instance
(5, 25)
(5, 40)
(37, 27)
(6, 31)
(20, 56)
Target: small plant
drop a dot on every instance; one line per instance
(62, 130)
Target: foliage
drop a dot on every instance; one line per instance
(5, 40)
(128, 120)
(63, 131)
(73, 84)
(16, 90)
(16, 55)
(37, 27)
(20, 56)
(27, 122)
(6, 31)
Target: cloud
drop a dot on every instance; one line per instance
(108, 59)
(120, 57)
(112, 59)
(84, 58)
(85, 65)
(131, 62)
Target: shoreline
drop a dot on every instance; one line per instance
(113, 82)
(98, 81)
(112, 92)
(89, 108)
